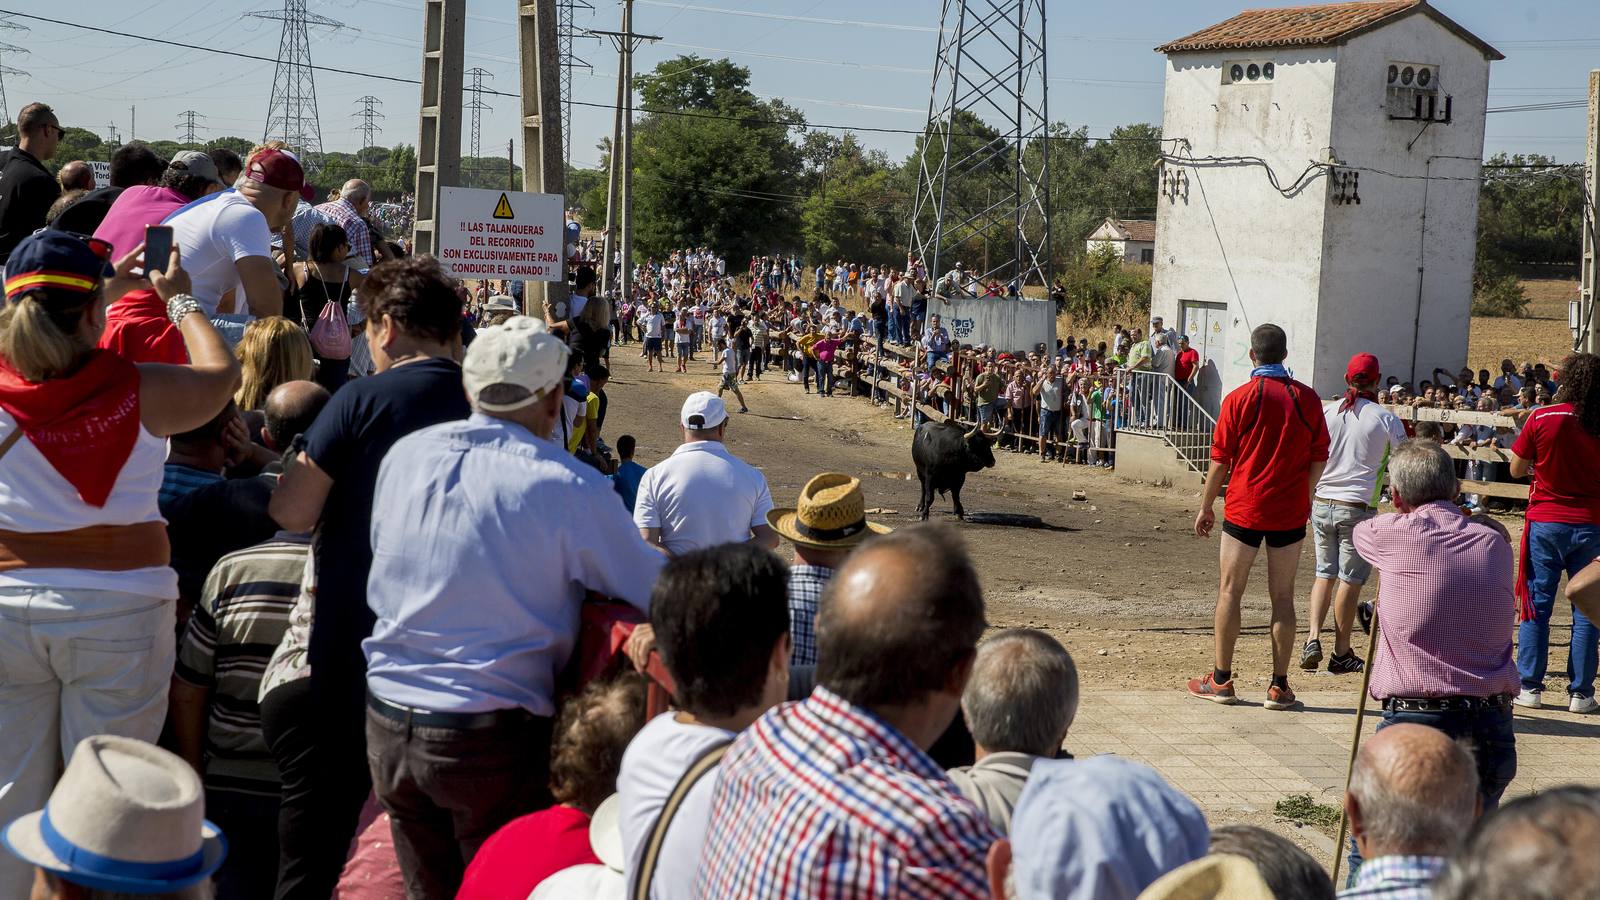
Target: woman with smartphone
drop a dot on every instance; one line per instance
(322, 280)
(87, 591)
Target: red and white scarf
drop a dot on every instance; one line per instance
(85, 425)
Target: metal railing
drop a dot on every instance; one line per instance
(1155, 403)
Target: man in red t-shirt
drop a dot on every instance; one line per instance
(1185, 363)
(1270, 446)
(1560, 444)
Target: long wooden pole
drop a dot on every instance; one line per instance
(1355, 744)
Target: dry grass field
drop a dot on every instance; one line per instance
(1542, 336)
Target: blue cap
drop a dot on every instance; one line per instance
(1103, 828)
(58, 261)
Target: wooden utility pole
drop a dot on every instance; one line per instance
(444, 32)
(621, 177)
(543, 158)
(511, 163)
(1588, 336)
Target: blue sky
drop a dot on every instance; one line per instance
(1103, 70)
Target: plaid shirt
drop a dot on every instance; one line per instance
(354, 228)
(1445, 598)
(806, 584)
(823, 799)
(1395, 878)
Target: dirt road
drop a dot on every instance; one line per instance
(1119, 577)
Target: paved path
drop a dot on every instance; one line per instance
(1245, 757)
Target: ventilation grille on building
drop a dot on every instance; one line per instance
(1414, 93)
(1247, 71)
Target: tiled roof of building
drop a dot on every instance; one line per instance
(1322, 25)
(1138, 229)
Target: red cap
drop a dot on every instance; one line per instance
(1363, 369)
(279, 169)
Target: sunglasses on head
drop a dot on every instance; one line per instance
(101, 248)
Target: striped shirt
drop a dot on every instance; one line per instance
(236, 626)
(806, 584)
(177, 480)
(340, 211)
(823, 799)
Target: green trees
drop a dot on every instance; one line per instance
(1527, 219)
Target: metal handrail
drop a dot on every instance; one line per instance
(1157, 404)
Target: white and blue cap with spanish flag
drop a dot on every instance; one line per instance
(60, 262)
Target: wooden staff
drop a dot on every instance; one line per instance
(1355, 741)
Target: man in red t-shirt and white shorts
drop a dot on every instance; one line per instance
(1270, 446)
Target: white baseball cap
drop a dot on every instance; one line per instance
(704, 410)
(523, 352)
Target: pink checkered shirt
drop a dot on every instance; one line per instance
(354, 228)
(1445, 605)
(823, 799)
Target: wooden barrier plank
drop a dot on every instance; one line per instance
(1409, 413)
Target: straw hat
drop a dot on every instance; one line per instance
(831, 514)
(126, 817)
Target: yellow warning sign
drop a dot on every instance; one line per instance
(502, 210)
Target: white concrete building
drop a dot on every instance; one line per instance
(1324, 177)
(1133, 240)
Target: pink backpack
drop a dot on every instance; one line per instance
(330, 334)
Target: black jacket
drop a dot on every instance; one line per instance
(26, 191)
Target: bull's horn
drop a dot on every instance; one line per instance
(988, 433)
(974, 432)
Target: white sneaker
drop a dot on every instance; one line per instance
(1582, 704)
(1530, 699)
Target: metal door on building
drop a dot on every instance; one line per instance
(1206, 324)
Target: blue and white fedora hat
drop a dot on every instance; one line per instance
(126, 816)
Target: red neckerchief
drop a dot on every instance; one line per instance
(85, 425)
(1352, 395)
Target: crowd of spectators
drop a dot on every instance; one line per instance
(422, 582)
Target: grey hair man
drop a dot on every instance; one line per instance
(1412, 792)
(76, 176)
(1539, 847)
(1018, 704)
(1287, 870)
(350, 210)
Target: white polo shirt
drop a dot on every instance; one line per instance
(701, 496)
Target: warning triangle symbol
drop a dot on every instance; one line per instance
(502, 210)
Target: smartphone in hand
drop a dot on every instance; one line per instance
(157, 248)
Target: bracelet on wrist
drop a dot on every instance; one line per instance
(180, 306)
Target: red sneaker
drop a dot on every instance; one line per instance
(1280, 698)
(1207, 689)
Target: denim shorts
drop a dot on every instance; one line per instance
(1332, 530)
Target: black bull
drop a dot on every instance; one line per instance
(944, 454)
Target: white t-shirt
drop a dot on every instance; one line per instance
(730, 365)
(653, 324)
(212, 236)
(651, 766)
(702, 496)
(1360, 441)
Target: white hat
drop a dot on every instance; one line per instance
(126, 816)
(500, 302)
(521, 351)
(704, 410)
(605, 833)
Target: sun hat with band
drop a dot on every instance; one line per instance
(522, 352)
(830, 514)
(127, 817)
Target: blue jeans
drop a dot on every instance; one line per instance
(1554, 548)
(1494, 746)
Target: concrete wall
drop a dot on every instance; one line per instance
(1406, 220)
(1129, 251)
(1231, 238)
(999, 322)
(1144, 457)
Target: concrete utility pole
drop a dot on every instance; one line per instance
(1588, 336)
(511, 163)
(444, 32)
(622, 157)
(544, 165)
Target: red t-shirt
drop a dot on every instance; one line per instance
(1270, 431)
(526, 851)
(1184, 364)
(1566, 473)
(138, 330)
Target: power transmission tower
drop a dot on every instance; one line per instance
(9, 25)
(292, 112)
(620, 180)
(112, 134)
(369, 114)
(988, 124)
(566, 33)
(476, 104)
(187, 126)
